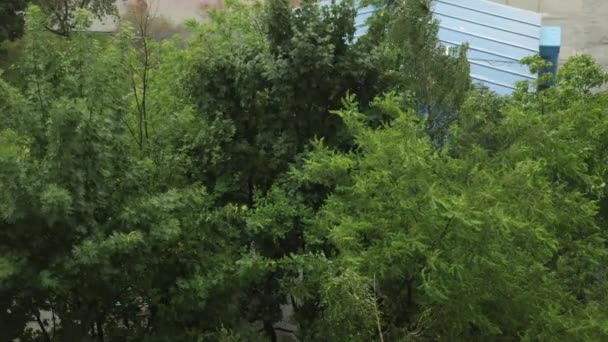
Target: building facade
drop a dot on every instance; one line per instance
(498, 36)
(583, 22)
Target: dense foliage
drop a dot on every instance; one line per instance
(11, 19)
(61, 14)
(273, 178)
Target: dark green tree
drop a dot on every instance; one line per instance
(435, 76)
(99, 240)
(12, 19)
(270, 176)
(264, 82)
(61, 15)
(270, 82)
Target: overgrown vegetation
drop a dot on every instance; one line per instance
(201, 189)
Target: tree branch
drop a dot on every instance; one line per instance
(54, 320)
(444, 232)
(42, 328)
(57, 32)
(376, 313)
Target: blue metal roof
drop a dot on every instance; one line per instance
(499, 36)
(550, 44)
(551, 36)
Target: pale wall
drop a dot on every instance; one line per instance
(584, 24)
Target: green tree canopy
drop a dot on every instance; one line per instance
(479, 246)
(271, 178)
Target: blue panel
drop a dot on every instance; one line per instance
(550, 43)
(494, 73)
(367, 9)
(496, 10)
(361, 18)
(530, 29)
(550, 54)
(505, 64)
(499, 37)
(496, 34)
(359, 31)
(499, 89)
(455, 37)
(551, 36)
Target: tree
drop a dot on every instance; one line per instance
(83, 211)
(61, 14)
(11, 19)
(436, 76)
(264, 80)
(459, 248)
(272, 87)
(201, 189)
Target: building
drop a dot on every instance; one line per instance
(583, 22)
(499, 37)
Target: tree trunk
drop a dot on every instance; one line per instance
(269, 330)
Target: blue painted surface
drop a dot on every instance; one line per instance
(551, 36)
(499, 37)
(550, 44)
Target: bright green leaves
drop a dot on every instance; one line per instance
(256, 177)
(460, 237)
(350, 308)
(90, 252)
(581, 74)
(324, 166)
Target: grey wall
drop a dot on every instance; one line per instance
(584, 24)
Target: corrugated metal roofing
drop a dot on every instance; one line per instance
(499, 36)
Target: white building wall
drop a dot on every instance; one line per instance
(584, 24)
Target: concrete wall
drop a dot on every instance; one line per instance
(584, 24)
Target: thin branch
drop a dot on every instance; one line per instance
(135, 93)
(54, 320)
(293, 332)
(130, 129)
(41, 100)
(376, 313)
(443, 233)
(66, 13)
(145, 84)
(58, 32)
(42, 328)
